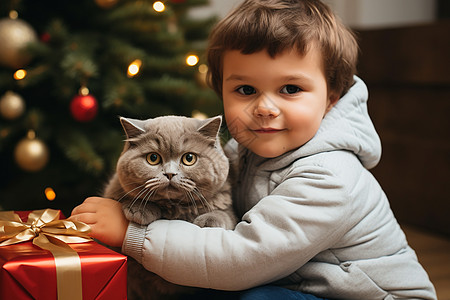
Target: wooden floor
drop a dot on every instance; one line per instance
(433, 252)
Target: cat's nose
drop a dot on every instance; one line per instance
(170, 169)
(170, 175)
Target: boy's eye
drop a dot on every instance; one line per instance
(246, 90)
(290, 89)
(153, 158)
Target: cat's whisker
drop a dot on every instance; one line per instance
(192, 199)
(129, 192)
(202, 199)
(191, 191)
(152, 183)
(138, 197)
(200, 189)
(145, 199)
(188, 183)
(150, 195)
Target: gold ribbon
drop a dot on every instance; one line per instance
(52, 234)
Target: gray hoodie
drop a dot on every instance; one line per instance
(313, 219)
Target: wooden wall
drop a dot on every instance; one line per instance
(407, 71)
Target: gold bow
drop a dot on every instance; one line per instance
(52, 234)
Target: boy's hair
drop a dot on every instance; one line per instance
(278, 25)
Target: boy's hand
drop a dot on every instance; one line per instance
(105, 217)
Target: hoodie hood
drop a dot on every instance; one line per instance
(347, 126)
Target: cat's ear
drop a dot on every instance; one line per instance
(132, 127)
(210, 127)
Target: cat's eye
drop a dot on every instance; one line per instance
(189, 159)
(153, 158)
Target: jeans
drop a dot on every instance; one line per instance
(267, 292)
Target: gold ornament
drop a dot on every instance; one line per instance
(31, 154)
(15, 35)
(106, 3)
(12, 105)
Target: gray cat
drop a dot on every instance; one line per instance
(172, 168)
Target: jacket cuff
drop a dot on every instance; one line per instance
(134, 241)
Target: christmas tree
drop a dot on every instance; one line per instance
(68, 69)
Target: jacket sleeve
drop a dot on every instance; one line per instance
(305, 214)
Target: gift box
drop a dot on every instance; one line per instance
(85, 271)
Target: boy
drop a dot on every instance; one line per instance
(314, 221)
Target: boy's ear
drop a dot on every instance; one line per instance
(333, 98)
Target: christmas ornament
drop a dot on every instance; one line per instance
(83, 106)
(15, 35)
(12, 105)
(106, 3)
(31, 154)
(45, 37)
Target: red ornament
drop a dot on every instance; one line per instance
(46, 37)
(84, 108)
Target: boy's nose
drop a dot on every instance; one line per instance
(266, 109)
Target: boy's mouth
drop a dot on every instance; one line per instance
(267, 130)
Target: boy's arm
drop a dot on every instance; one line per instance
(275, 238)
(105, 217)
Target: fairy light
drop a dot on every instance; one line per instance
(20, 74)
(13, 14)
(159, 6)
(199, 115)
(203, 69)
(134, 68)
(83, 91)
(191, 60)
(50, 194)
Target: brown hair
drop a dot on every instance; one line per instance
(278, 25)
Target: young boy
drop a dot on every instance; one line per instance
(314, 222)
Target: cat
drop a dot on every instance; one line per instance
(171, 167)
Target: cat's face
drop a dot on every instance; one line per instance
(172, 158)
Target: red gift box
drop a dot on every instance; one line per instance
(29, 272)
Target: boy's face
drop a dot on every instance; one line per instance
(274, 105)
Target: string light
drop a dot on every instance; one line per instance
(199, 115)
(50, 194)
(159, 6)
(203, 69)
(13, 14)
(191, 60)
(20, 74)
(134, 68)
(83, 91)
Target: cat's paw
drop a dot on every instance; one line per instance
(210, 220)
(142, 216)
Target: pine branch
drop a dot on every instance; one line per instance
(78, 148)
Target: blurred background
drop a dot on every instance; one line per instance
(68, 69)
